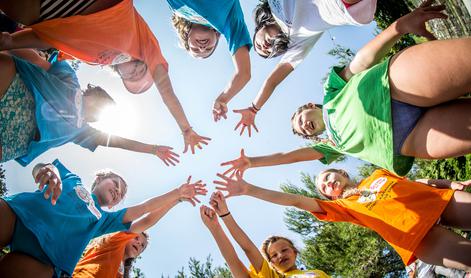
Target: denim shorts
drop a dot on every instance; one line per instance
(404, 118)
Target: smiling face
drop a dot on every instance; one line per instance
(264, 39)
(332, 183)
(110, 191)
(282, 255)
(308, 122)
(135, 246)
(202, 41)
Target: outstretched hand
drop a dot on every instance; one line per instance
(192, 139)
(49, 175)
(220, 108)
(414, 22)
(247, 120)
(460, 185)
(234, 187)
(166, 154)
(218, 203)
(188, 191)
(209, 217)
(238, 165)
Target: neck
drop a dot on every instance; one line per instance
(88, 106)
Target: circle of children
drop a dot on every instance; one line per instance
(374, 109)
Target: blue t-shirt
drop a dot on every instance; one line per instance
(64, 230)
(225, 16)
(59, 111)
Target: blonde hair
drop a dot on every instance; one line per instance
(183, 27)
(314, 137)
(272, 239)
(108, 173)
(350, 190)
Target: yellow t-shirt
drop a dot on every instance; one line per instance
(268, 272)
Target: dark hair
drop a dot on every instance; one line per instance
(264, 17)
(129, 262)
(299, 110)
(98, 92)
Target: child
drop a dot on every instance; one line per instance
(292, 28)
(391, 112)
(402, 212)
(199, 25)
(276, 259)
(42, 107)
(96, 36)
(55, 234)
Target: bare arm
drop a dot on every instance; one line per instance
(126, 144)
(304, 154)
(279, 74)
(31, 56)
(151, 219)
(442, 183)
(22, 39)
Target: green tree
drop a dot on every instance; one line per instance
(198, 269)
(341, 249)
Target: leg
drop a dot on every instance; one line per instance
(442, 132)
(456, 214)
(22, 11)
(445, 248)
(17, 264)
(431, 73)
(7, 222)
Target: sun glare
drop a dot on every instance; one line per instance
(118, 120)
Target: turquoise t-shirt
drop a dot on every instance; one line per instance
(225, 16)
(357, 116)
(58, 104)
(64, 230)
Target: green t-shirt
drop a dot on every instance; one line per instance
(357, 115)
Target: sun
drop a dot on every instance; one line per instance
(121, 120)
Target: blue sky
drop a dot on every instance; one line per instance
(181, 234)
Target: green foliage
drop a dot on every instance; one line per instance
(199, 269)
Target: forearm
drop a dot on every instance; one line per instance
(303, 154)
(130, 145)
(150, 205)
(228, 252)
(26, 39)
(152, 218)
(284, 199)
(164, 86)
(241, 77)
(31, 56)
(249, 248)
(440, 183)
(280, 72)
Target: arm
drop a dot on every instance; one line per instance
(376, 49)
(442, 183)
(218, 203)
(151, 219)
(187, 191)
(241, 60)
(47, 174)
(164, 86)
(31, 56)
(22, 39)
(236, 266)
(244, 162)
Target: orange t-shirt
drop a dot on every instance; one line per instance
(104, 259)
(107, 37)
(399, 210)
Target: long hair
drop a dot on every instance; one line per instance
(128, 263)
(183, 27)
(349, 190)
(314, 137)
(272, 239)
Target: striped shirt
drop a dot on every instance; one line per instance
(51, 9)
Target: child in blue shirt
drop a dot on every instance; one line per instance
(55, 233)
(42, 107)
(199, 24)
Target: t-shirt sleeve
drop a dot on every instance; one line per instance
(298, 49)
(329, 152)
(63, 171)
(266, 271)
(89, 138)
(236, 32)
(113, 222)
(333, 211)
(151, 52)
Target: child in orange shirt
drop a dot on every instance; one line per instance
(403, 212)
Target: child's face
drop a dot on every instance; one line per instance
(110, 191)
(135, 246)
(282, 256)
(263, 42)
(331, 184)
(132, 70)
(202, 41)
(309, 121)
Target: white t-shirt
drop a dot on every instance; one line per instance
(305, 20)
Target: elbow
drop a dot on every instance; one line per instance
(244, 76)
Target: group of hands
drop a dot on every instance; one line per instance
(48, 178)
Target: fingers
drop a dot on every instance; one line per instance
(238, 110)
(250, 131)
(255, 127)
(237, 126)
(242, 130)
(186, 148)
(188, 180)
(242, 152)
(223, 177)
(228, 162)
(232, 169)
(56, 193)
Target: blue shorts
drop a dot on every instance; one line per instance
(404, 118)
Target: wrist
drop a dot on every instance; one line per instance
(186, 129)
(255, 107)
(222, 215)
(223, 97)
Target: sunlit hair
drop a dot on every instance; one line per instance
(129, 262)
(264, 17)
(272, 239)
(349, 190)
(99, 94)
(314, 137)
(107, 173)
(183, 28)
